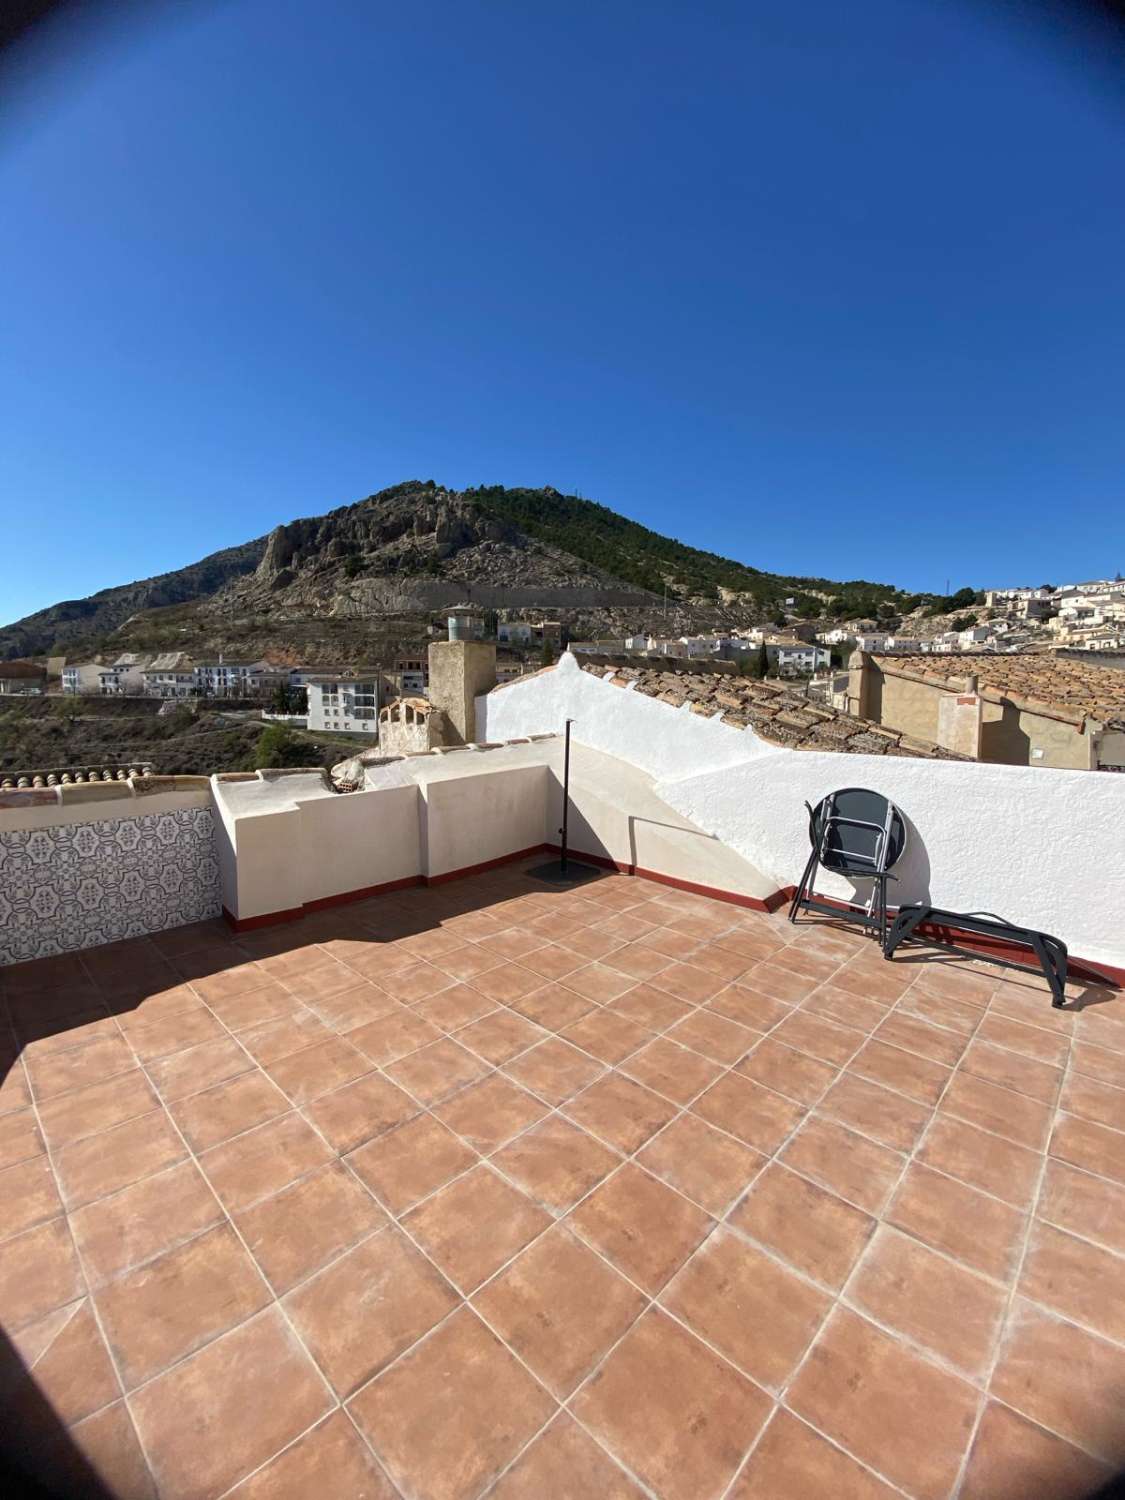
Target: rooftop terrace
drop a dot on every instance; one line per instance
(488, 1189)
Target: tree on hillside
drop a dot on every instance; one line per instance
(279, 746)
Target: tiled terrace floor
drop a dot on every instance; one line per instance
(496, 1190)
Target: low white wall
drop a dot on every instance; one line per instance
(661, 740)
(471, 819)
(78, 876)
(304, 846)
(1041, 847)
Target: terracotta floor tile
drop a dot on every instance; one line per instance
(452, 1413)
(951, 977)
(143, 1220)
(390, 1037)
(54, 1073)
(565, 1464)
(270, 1003)
(1022, 1002)
(560, 1308)
(620, 1112)
(173, 1305)
(721, 961)
(1063, 1377)
(454, 1008)
(606, 1035)
(1012, 1070)
(812, 1229)
(29, 1195)
(332, 978)
(874, 980)
(500, 1036)
(674, 1413)
(198, 1068)
(650, 1007)
(1081, 1281)
(845, 1007)
(206, 1424)
(490, 1113)
(506, 983)
(263, 1161)
(331, 1459)
(1098, 1062)
(637, 961)
(750, 1308)
(785, 1071)
(466, 960)
(876, 1112)
(754, 1114)
(1092, 1100)
(594, 946)
(913, 1035)
(702, 1163)
(228, 1109)
(905, 1072)
(554, 1007)
(1086, 1205)
(716, 1037)
(470, 1228)
(171, 1034)
(368, 1306)
(1013, 1458)
(849, 1165)
(748, 1007)
(642, 1227)
(982, 1160)
(39, 1271)
(866, 1391)
(956, 1219)
(556, 1163)
(625, 926)
(689, 982)
(101, 1164)
(554, 961)
(297, 1231)
(103, 1445)
(935, 1303)
(306, 1075)
(348, 1009)
(600, 983)
(554, 1070)
(1029, 1041)
(954, 1015)
(14, 1091)
(792, 1462)
(677, 947)
(19, 1137)
(360, 1110)
(410, 1162)
(1014, 1116)
(436, 1071)
(418, 982)
(512, 943)
(97, 1107)
(68, 1368)
(271, 1040)
(820, 1038)
(669, 1069)
(777, 979)
(1086, 1144)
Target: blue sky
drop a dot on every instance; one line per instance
(831, 289)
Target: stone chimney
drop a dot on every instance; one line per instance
(459, 671)
(959, 720)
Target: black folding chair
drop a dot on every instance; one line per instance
(859, 834)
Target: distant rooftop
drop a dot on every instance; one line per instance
(776, 711)
(1069, 686)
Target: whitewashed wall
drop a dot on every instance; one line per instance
(1045, 848)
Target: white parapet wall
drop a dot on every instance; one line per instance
(1039, 847)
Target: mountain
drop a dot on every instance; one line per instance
(416, 548)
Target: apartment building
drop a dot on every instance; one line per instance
(347, 703)
(170, 675)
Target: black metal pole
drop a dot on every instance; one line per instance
(566, 793)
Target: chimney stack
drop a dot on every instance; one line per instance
(459, 672)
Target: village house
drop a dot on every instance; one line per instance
(170, 675)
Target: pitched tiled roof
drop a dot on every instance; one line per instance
(1043, 680)
(774, 710)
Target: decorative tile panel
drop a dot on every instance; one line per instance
(81, 884)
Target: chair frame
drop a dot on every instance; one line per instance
(873, 867)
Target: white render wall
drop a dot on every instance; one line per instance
(1041, 847)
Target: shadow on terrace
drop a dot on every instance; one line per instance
(494, 1189)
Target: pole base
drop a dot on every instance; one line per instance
(554, 873)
